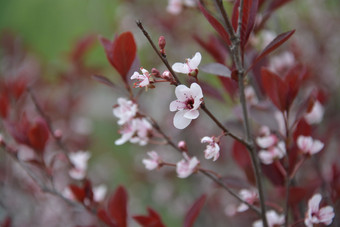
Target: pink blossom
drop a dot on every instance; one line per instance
(271, 154)
(316, 114)
(99, 192)
(266, 139)
(125, 110)
(190, 65)
(249, 196)
(213, 149)
(315, 215)
(153, 162)
(187, 104)
(143, 79)
(79, 160)
(273, 219)
(136, 131)
(309, 146)
(186, 166)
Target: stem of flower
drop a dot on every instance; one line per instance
(162, 57)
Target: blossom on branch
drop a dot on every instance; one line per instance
(187, 104)
(144, 79)
(273, 219)
(190, 66)
(125, 110)
(213, 149)
(250, 196)
(175, 6)
(79, 160)
(138, 130)
(153, 162)
(315, 215)
(186, 166)
(309, 146)
(315, 115)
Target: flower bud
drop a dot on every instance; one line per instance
(58, 133)
(155, 72)
(166, 75)
(161, 42)
(182, 145)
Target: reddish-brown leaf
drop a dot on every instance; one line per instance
(38, 135)
(248, 19)
(278, 41)
(81, 47)
(242, 158)
(4, 105)
(275, 88)
(121, 52)
(153, 219)
(117, 207)
(78, 192)
(302, 129)
(215, 23)
(102, 215)
(194, 211)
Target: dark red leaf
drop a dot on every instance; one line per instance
(4, 105)
(248, 19)
(194, 211)
(278, 41)
(242, 158)
(103, 80)
(273, 174)
(294, 79)
(214, 47)
(78, 192)
(121, 52)
(296, 194)
(38, 135)
(152, 220)
(117, 207)
(102, 215)
(302, 129)
(215, 23)
(18, 87)
(276, 89)
(277, 4)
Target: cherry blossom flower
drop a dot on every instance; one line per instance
(175, 6)
(153, 162)
(137, 130)
(269, 155)
(144, 79)
(309, 146)
(186, 166)
(315, 215)
(190, 65)
(316, 114)
(266, 139)
(213, 149)
(187, 104)
(79, 160)
(249, 196)
(125, 110)
(99, 192)
(273, 219)
(68, 194)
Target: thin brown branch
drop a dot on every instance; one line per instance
(48, 121)
(162, 57)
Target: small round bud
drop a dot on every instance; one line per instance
(161, 42)
(182, 145)
(155, 72)
(166, 75)
(58, 133)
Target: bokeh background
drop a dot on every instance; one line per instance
(49, 30)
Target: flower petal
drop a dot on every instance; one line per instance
(176, 105)
(196, 90)
(192, 114)
(180, 122)
(181, 68)
(182, 92)
(317, 146)
(195, 61)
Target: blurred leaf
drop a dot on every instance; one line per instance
(194, 211)
(152, 220)
(216, 69)
(117, 207)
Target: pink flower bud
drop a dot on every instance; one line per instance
(182, 145)
(166, 75)
(161, 42)
(155, 72)
(58, 133)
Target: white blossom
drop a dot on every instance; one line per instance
(153, 162)
(316, 114)
(186, 166)
(250, 196)
(143, 79)
(212, 150)
(136, 131)
(309, 146)
(315, 215)
(125, 110)
(273, 219)
(79, 160)
(190, 65)
(187, 104)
